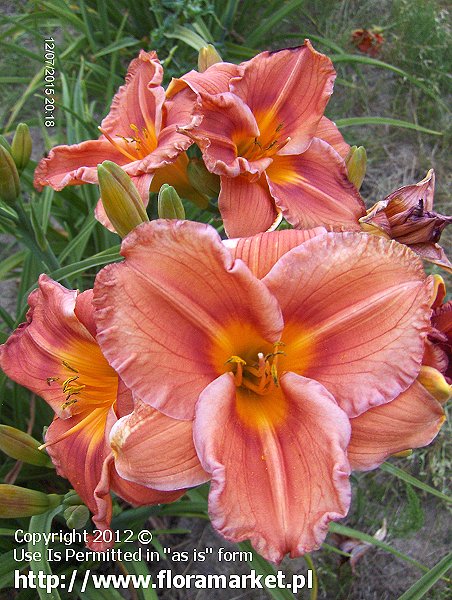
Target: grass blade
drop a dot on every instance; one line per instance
(384, 121)
(258, 34)
(393, 470)
(422, 586)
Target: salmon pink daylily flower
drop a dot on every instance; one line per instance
(264, 135)
(269, 346)
(139, 134)
(55, 354)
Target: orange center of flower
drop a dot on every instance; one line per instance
(265, 145)
(259, 376)
(137, 146)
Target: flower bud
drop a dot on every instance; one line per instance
(207, 57)
(16, 501)
(403, 453)
(169, 204)
(120, 198)
(9, 177)
(4, 142)
(76, 516)
(72, 498)
(21, 146)
(356, 162)
(435, 383)
(21, 446)
(201, 179)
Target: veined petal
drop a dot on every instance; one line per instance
(246, 206)
(409, 196)
(72, 165)
(78, 449)
(155, 450)
(227, 121)
(328, 132)
(313, 189)
(277, 480)
(288, 91)
(412, 420)
(54, 354)
(215, 80)
(261, 252)
(177, 311)
(138, 102)
(356, 311)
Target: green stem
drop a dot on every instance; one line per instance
(315, 583)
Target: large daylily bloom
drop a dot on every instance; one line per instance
(139, 134)
(269, 360)
(55, 355)
(264, 135)
(407, 216)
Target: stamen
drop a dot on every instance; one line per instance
(260, 377)
(68, 366)
(118, 147)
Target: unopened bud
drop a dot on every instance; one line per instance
(120, 198)
(72, 498)
(169, 204)
(201, 179)
(16, 502)
(435, 383)
(9, 177)
(207, 57)
(21, 146)
(356, 162)
(4, 142)
(21, 446)
(76, 516)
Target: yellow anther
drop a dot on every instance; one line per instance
(68, 366)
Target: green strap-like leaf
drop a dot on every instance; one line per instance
(42, 524)
(422, 586)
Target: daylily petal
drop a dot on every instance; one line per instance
(412, 420)
(313, 189)
(246, 206)
(292, 445)
(356, 309)
(261, 252)
(80, 455)
(287, 91)
(155, 450)
(328, 132)
(58, 347)
(176, 310)
(138, 102)
(213, 80)
(227, 120)
(433, 253)
(409, 196)
(72, 165)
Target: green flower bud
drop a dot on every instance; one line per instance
(169, 204)
(201, 179)
(9, 177)
(21, 446)
(16, 501)
(76, 516)
(121, 200)
(72, 499)
(356, 162)
(207, 57)
(21, 146)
